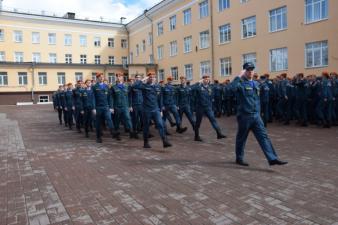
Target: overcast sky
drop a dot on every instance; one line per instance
(93, 9)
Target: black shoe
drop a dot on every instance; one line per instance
(181, 130)
(117, 137)
(198, 138)
(172, 124)
(98, 140)
(87, 135)
(136, 135)
(277, 162)
(166, 144)
(150, 135)
(167, 133)
(79, 131)
(220, 136)
(146, 144)
(242, 163)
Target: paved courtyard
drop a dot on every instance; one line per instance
(50, 175)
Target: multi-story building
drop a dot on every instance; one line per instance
(173, 38)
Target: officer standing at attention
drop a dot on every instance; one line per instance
(169, 104)
(59, 103)
(152, 104)
(87, 103)
(136, 101)
(122, 106)
(69, 105)
(183, 95)
(102, 107)
(248, 116)
(204, 97)
(77, 95)
(264, 95)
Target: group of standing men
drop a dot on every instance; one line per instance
(143, 101)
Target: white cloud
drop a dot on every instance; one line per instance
(111, 10)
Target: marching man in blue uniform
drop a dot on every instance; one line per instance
(248, 116)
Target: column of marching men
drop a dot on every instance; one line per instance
(142, 102)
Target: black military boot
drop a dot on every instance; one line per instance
(172, 124)
(87, 134)
(115, 134)
(181, 130)
(146, 143)
(99, 140)
(220, 135)
(197, 135)
(166, 143)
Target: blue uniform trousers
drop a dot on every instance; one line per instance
(87, 119)
(173, 110)
(186, 110)
(137, 117)
(122, 115)
(254, 123)
(103, 115)
(155, 116)
(200, 112)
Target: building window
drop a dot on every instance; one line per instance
(223, 4)
(173, 48)
(97, 59)
(160, 75)
(131, 57)
(174, 73)
(78, 76)
(83, 40)
(18, 36)
(204, 9)
(151, 58)
(316, 54)
(316, 10)
(278, 19)
(18, 57)
(249, 27)
(187, 16)
(124, 43)
(278, 59)
(2, 35)
(124, 60)
(3, 79)
(137, 50)
(68, 39)
(150, 38)
(111, 78)
(159, 28)
(187, 44)
(224, 33)
(42, 78)
(52, 38)
(97, 41)
(160, 52)
(61, 78)
(225, 66)
(188, 71)
(111, 60)
(93, 76)
(204, 39)
(205, 68)
(36, 57)
(111, 42)
(68, 58)
(250, 57)
(43, 98)
(83, 59)
(2, 57)
(35, 37)
(52, 57)
(22, 77)
(243, 1)
(143, 45)
(172, 23)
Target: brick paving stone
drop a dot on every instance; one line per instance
(50, 175)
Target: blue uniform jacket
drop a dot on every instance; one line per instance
(87, 99)
(183, 95)
(102, 96)
(204, 95)
(152, 98)
(168, 95)
(120, 96)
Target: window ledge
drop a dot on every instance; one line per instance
(316, 21)
(316, 67)
(203, 48)
(188, 52)
(245, 38)
(277, 71)
(276, 31)
(225, 43)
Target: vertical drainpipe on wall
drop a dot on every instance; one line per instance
(212, 42)
(33, 81)
(128, 44)
(152, 36)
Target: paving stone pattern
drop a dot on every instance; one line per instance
(50, 175)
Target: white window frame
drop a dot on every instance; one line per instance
(204, 9)
(250, 57)
(68, 40)
(137, 51)
(111, 60)
(111, 78)
(78, 76)
(173, 51)
(323, 50)
(18, 57)
(61, 76)
(223, 4)
(3, 79)
(97, 59)
(111, 42)
(160, 75)
(18, 36)
(124, 43)
(160, 52)
(205, 68)
(275, 15)
(83, 59)
(97, 42)
(250, 26)
(43, 80)
(52, 38)
(204, 39)
(124, 60)
(160, 28)
(225, 67)
(36, 57)
(43, 98)
(143, 45)
(187, 44)
(83, 41)
(174, 72)
(2, 56)
(35, 37)
(224, 32)
(188, 71)
(311, 4)
(68, 58)
(278, 59)
(172, 23)
(22, 78)
(2, 35)
(187, 17)
(52, 57)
